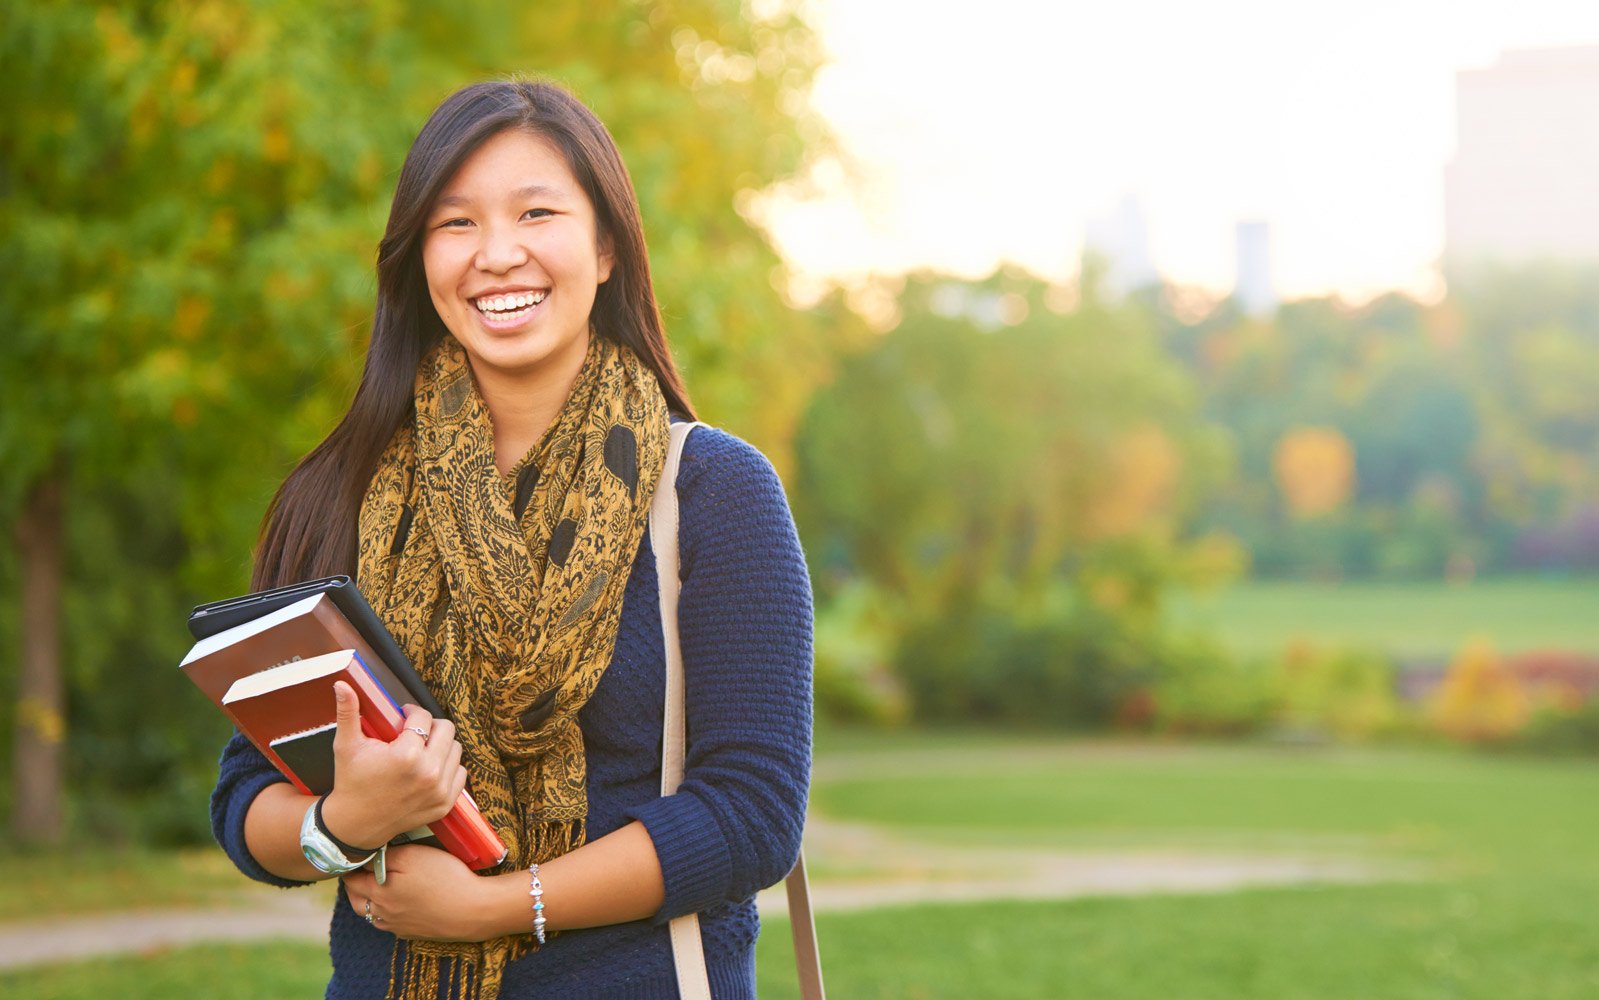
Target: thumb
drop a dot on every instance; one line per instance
(347, 714)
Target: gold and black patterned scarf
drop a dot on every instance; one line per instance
(506, 591)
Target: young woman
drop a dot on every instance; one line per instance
(489, 490)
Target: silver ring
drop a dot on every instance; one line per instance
(420, 732)
(368, 912)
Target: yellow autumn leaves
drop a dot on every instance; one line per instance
(1314, 469)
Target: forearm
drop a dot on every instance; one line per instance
(272, 832)
(612, 880)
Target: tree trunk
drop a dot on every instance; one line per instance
(41, 725)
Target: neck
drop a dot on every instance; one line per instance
(522, 405)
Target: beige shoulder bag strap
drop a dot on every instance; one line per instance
(687, 950)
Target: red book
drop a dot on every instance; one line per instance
(288, 712)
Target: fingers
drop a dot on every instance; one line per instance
(358, 887)
(443, 732)
(455, 772)
(347, 714)
(436, 759)
(418, 717)
(359, 897)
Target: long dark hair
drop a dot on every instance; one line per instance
(310, 527)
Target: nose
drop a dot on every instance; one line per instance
(500, 250)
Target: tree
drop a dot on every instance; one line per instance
(1010, 483)
(1315, 470)
(192, 197)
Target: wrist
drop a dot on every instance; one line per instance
(344, 826)
(326, 856)
(505, 910)
(349, 849)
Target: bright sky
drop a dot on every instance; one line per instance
(980, 132)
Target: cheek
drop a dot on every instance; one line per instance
(565, 254)
(441, 270)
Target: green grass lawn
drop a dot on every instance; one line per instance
(1509, 911)
(1405, 619)
(36, 885)
(278, 970)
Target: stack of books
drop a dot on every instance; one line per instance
(269, 661)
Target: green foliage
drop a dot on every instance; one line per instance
(1073, 668)
(1009, 481)
(1341, 693)
(1560, 732)
(190, 199)
(1203, 689)
(957, 452)
(856, 635)
(1474, 424)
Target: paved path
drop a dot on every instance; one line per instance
(917, 873)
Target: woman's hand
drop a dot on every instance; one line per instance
(383, 789)
(428, 893)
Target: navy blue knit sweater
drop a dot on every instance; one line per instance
(734, 825)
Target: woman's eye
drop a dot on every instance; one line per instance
(454, 223)
(538, 213)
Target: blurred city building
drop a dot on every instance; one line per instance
(1252, 286)
(1117, 245)
(1524, 184)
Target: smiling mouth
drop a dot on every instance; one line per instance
(506, 307)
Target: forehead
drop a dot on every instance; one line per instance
(511, 164)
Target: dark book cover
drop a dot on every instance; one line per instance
(310, 756)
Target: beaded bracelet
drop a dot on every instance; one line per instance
(536, 893)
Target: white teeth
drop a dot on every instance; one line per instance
(510, 303)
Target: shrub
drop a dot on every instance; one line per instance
(856, 633)
(1201, 689)
(1479, 701)
(1554, 730)
(1074, 670)
(1344, 693)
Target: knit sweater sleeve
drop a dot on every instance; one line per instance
(734, 825)
(243, 772)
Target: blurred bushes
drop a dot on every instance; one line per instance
(1202, 690)
(1562, 732)
(1076, 670)
(1342, 693)
(856, 640)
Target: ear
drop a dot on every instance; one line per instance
(607, 259)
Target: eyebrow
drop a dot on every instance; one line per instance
(521, 193)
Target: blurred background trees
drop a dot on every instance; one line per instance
(193, 196)
(1007, 497)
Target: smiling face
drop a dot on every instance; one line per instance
(513, 259)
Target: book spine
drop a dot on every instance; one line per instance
(466, 834)
(462, 831)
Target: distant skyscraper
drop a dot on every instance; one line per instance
(1252, 288)
(1120, 240)
(1524, 183)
